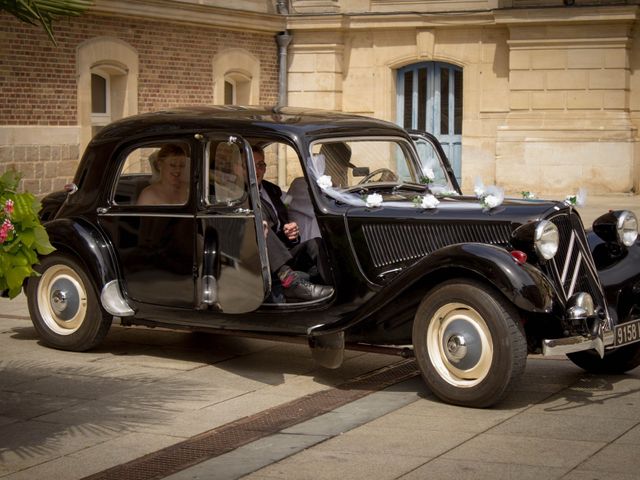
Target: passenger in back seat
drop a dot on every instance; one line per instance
(171, 187)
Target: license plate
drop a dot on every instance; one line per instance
(626, 333)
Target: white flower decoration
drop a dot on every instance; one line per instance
(579, 199)
(429, 201)
(324, 182)
(491, 201)
(528, 195)
(373, 200)
(492, 197)
(428, 174)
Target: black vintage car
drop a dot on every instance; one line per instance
(468, 284)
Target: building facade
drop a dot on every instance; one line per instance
(537, 95)
(119, 59)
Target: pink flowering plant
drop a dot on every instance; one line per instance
(22, 236)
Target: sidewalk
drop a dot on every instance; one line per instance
(70, 415)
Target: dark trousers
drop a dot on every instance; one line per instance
(302, 257)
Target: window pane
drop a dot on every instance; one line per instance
(444, 101)
(157, 175)
(228, 93)
(359, 162)
(98, 94)
(457, 124)
(408, 99)
(422, 99)
(227, 175)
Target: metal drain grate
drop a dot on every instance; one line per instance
(245, 430)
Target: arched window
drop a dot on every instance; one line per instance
(107, 84)
(430, 99)
(236, 76)
(108, 93)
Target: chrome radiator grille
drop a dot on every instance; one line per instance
(391, 244)
(572, 268)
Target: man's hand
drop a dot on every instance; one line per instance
(291, 231)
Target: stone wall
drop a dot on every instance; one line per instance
(550, 94)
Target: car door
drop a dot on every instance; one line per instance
(154, 237)
(233, 270)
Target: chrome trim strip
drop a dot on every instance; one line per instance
(574, 277)
(113, 302)
(567, 260)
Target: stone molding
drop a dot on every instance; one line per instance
(192, 13)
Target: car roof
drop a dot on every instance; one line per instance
(288, 121)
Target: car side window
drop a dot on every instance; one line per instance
(154, 175)
(228, 183)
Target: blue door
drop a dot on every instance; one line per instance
(430, 99)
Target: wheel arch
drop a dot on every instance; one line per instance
(87, 245)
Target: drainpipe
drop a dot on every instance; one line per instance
(283, 39)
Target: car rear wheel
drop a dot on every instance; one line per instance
(468, 343)
(64, 305)
(616, 361)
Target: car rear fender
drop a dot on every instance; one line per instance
(89, 246)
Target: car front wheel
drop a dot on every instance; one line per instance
(64, 305)
(468, 343)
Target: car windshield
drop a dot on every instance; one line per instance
(351, 164)
(432, 166)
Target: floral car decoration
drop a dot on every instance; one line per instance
(22, 237)
(468, 284)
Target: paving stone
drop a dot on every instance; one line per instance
(615, 458)
(313, 464)
(579, 474)
(249, 458)
(545, 452)
(565, 427)
(444, 469)
(631, 437)
(388, 441)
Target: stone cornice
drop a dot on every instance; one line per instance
(193, 13)
(561, 15)
(622, 14)
(367, 21)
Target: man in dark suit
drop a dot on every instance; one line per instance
(286, 251)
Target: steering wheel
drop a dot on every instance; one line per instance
(386, 176)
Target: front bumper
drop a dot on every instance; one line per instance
(563, 346)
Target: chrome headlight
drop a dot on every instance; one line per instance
(618, 226)
(546, 239)
(627, 228)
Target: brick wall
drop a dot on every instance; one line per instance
(38, 80)
(38, 85)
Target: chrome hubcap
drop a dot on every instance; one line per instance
(62, 299)
(459, 345)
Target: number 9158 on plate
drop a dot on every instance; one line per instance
(626, 333)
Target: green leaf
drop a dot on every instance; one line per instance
(15, 276)
(27, 237)
(42, 244)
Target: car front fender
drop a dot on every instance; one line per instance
(522, 284)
